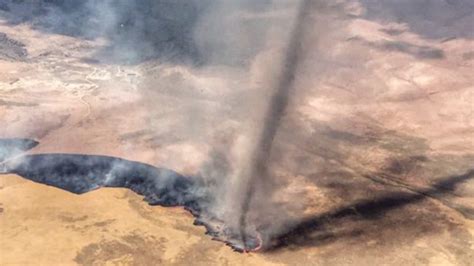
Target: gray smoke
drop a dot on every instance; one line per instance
(249, 39)
(271, 121)
(252, 48)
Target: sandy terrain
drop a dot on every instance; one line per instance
(378, 145)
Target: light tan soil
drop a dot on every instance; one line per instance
(385, 116)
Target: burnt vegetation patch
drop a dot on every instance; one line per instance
(12, 147)
(80, 174)
(84, 173)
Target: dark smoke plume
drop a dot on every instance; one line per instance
(276, 109)
(212, 35)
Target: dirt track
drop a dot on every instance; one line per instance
(377, 145)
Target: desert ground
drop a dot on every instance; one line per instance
(377, 146)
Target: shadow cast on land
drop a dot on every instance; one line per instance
(417, 51)
(303, 233)
(84, 173)
(137, 31)
(429, 18)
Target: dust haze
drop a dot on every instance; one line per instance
(259, 59)
(251, 42)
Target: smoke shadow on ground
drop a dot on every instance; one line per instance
(311, 231)
(83, 173)
(11, 50)
(431, 19)
(363, 178)
(137, 31)
(189, 32)
(418, 51)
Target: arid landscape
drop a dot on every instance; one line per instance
(372, 162)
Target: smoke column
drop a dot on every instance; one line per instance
(229, 35)
(271, 121)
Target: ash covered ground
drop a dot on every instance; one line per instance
(371, 161)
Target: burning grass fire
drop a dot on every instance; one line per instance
(80, 173)
(307, 126)
(84, 173)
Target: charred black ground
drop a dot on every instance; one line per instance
(84, 173)
(12, 147)
(80, 174)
